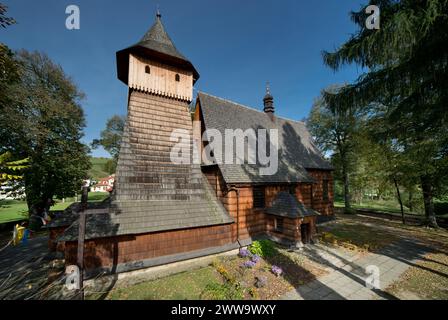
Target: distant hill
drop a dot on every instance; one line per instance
(97, 170)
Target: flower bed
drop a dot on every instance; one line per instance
(266, 274)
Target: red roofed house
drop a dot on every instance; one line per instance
(104, 185)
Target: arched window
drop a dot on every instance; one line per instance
(177, 77)
(147, 70)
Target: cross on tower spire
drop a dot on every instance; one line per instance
(268, 101)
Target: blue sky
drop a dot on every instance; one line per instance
(237, 46)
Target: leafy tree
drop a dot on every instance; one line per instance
(368, 177)
(335, 130)
(407, 62)
(11, 173)
(4, 20)
(110, 166)
(10, 170)
(9, 73)
(111, 139)
(43, 121)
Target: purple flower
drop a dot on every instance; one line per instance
(255, 258)
(244, 253)
(249, 264)
(276, 270)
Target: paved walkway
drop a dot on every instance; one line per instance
(347, 277)
(24, 269)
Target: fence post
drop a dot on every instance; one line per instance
(81, 237)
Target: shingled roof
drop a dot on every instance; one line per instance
(156, 43)
(151, 193)
(297, 151)
(287, 205)
(71, 213)
(136, 217)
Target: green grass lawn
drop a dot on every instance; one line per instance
(97, 196)
(375, 205)
(182, 286)
(97, 170)
(12, 210)
(224, 279)
(15, 210)
(389, 206)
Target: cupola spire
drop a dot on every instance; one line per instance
(156, 44)
(268, 101)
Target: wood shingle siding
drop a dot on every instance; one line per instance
(296, 150)
(323, 206)
(162, 79)
(106, 252)
(152, 193)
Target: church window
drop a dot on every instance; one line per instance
(258, 197)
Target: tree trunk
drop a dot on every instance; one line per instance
(399, 200)
(47, 204)
(410, 199)
(428, 201)
(346, 187)
(32, 208)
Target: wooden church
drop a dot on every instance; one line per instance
(162, 212)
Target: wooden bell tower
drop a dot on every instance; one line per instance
(160, 81)
(155, 66)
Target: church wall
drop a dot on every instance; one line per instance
(319, 203)
(254, 222)
(134, 250)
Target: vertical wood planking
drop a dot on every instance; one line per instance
(161, 80)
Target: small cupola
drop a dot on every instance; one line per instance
(268, 102)
(156, 45)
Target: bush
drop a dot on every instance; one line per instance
(276, 270)
(249, 264)
(255, 258)
(225, 291)
(244, 253)
(224, 273)
(262, 248)
(440, 207)
(229, 290)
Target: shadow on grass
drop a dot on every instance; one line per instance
(409, 251)
(293, 273)
(401, 247)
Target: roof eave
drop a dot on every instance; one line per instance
(123, 61)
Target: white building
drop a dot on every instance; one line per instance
(104, 185)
